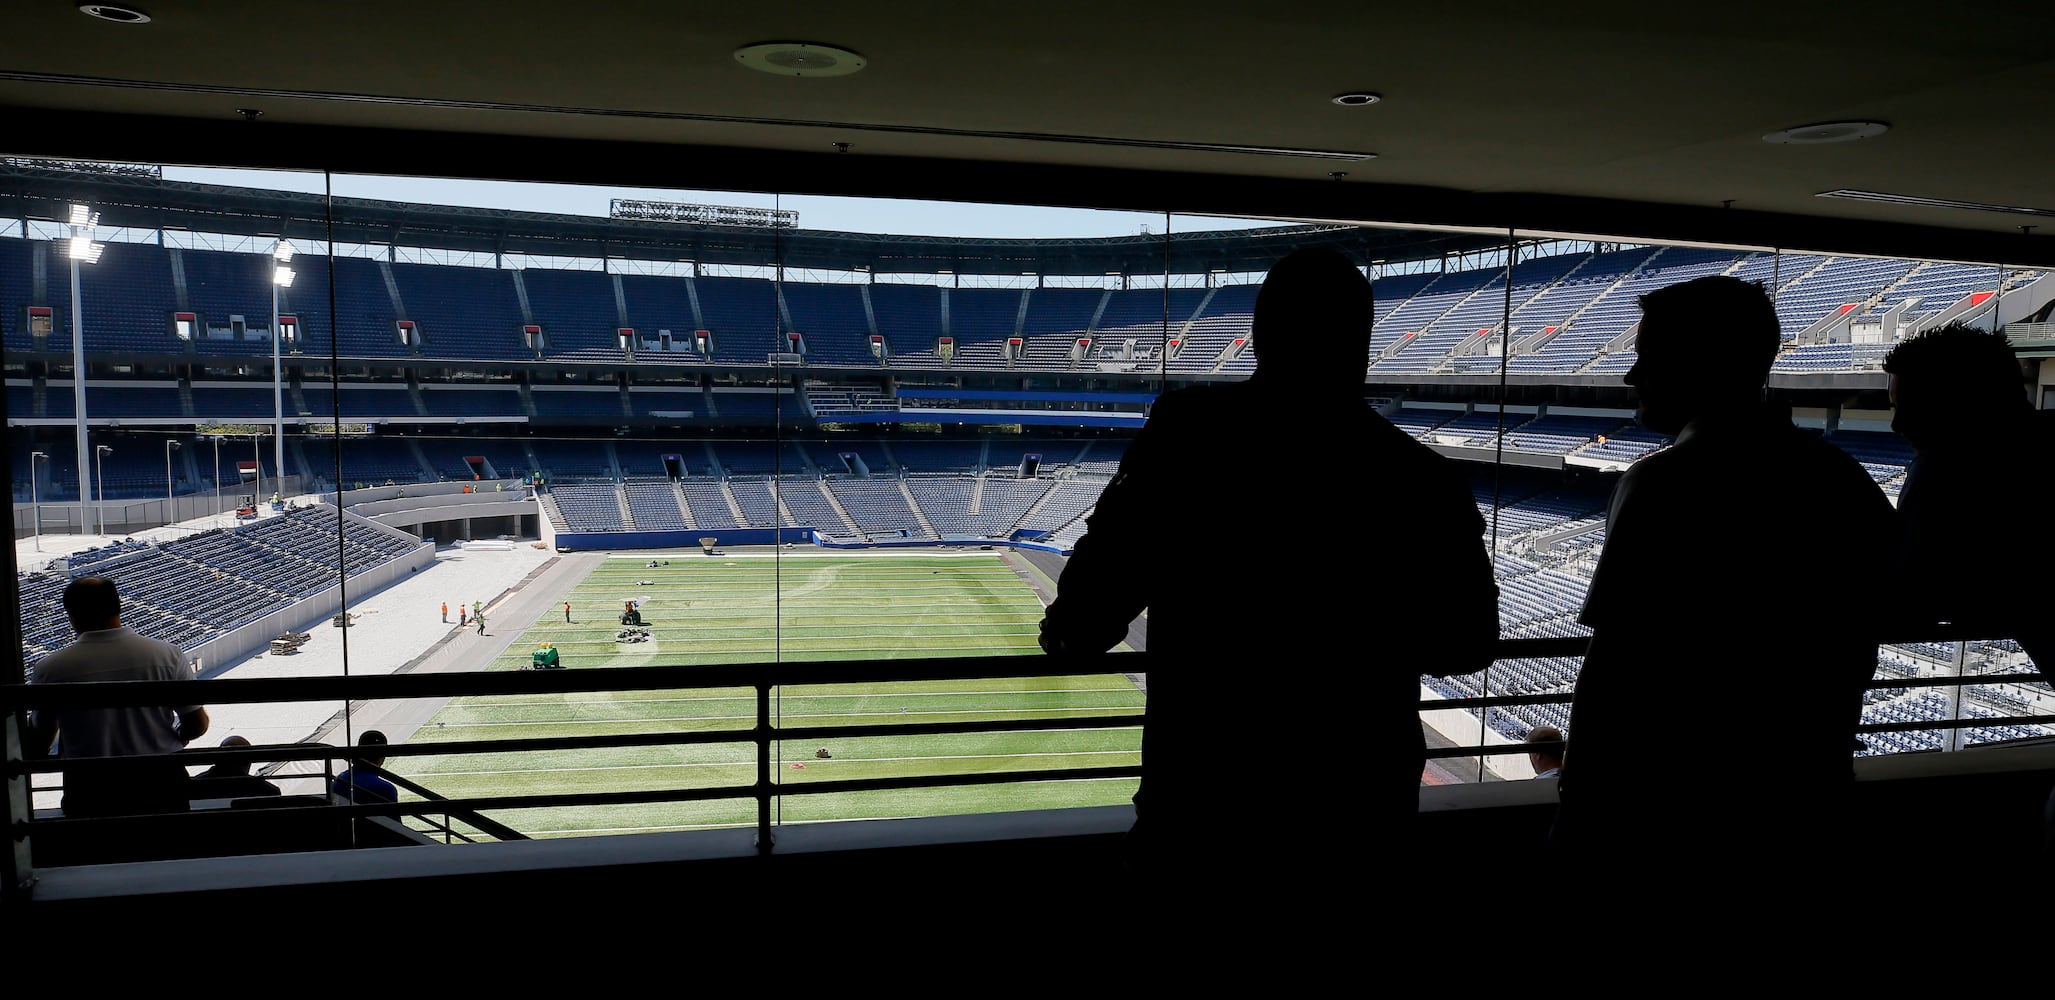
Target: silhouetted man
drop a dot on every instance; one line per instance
(231, 779)
(1303, 562)
(1547, 757)
(1731, 597)
(359, 783)
(1982, 464)
(107, 651)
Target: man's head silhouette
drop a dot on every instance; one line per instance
(92, 603)
(1951, 383)
(233, 767)
(1705, 346)
(1312, 323)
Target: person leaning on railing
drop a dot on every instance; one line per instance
(1284, 669)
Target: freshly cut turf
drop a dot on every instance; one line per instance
(755, 609)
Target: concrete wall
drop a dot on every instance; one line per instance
(126, 517)
(445, 512)
(585, 541)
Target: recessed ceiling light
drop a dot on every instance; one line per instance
(1357, 99)
(1823, 132)
(114, 12)
(799, 59)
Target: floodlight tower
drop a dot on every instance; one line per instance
(281, 277)
(100, 453)
(81, 249)
(35, 503)
(170, 445)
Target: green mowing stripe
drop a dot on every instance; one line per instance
(810, 631)
(795, 705)
(794, 691)
(659, 615)
(817, 633)
(690, 637)
(1013, 745)
(828, 643)
(771, 651)
(1096, 683)
(819, 608)
(788, 718)
(550, 782)
(790, 709)
(795, 809)
(1042, 760)
(1012, 742)
(770, 654)
(596, 759)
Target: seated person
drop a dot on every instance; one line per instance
(230, 779)
(359, 783)
(1547, 760)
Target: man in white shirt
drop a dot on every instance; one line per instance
(107, 651)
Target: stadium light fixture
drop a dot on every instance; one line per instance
(80, 247)
(1357, 99)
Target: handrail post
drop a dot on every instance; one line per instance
(763, 770)
(20, 873)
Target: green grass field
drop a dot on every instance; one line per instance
(803, 606)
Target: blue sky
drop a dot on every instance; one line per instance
(864, 215)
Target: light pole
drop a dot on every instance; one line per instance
(36, 505)
(217, 467)
(257, 454)
(169, 447)
(100, 452)
(281, 277)
(81, 249)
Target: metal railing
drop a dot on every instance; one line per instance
(764, 679)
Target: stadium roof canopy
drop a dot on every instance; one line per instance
(149, 203)
(1631, 120)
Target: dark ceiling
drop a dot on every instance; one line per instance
(1640, 120)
